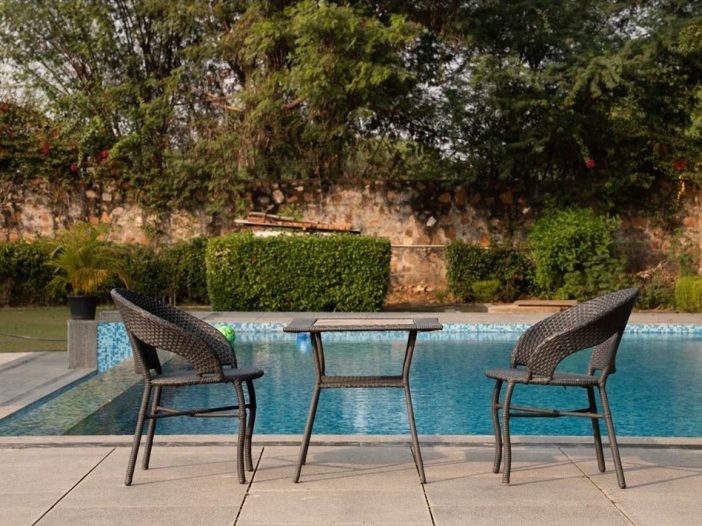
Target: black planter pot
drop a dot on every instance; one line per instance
(82, 307)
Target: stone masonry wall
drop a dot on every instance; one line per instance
(418, 217)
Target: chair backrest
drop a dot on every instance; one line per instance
(153, 324)
(598, 324)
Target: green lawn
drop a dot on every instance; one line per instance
(41, 324)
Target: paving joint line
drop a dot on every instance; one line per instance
(73, 487)
(604, 494)
(248, 487)
(426, 499)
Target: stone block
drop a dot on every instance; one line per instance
(82, 344)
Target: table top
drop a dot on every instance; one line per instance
(358, 324)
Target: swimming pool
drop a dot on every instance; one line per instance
(651, 394)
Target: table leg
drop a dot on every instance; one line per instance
(416, 452)
(308, 432)
(415, 440)
(318, 351)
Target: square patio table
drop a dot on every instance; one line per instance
(316, 326)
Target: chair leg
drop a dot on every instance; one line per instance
(496, 426)
(242, 432)
(250, 423)
(596, 430)
(505, 432)
(155, 401)
(137, 433)
(612, 437)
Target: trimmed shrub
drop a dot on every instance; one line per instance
(470, 264)
(25, 274)
(657, 290)
(486, 289)
(466, 264)
(575, 254)
(297, 273)
(174, 273)
(146, 271)
(185, 262)
(688, 294)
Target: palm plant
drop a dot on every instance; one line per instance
(83, 261)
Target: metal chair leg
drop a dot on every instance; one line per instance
(250, 424)
(242, 432)
(155, 401)
(596, 430)
(612, 437)
(496, 426)
(415, 439)
(308, 432)
(505, 433)
(137, 433)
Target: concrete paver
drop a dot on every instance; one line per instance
(376, 483)
(663, 485)
(33, 480)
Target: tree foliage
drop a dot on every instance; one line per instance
(180, 101)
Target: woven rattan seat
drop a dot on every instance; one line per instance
(521, 376)
(153, 325)
(597, 324)
(189, 378)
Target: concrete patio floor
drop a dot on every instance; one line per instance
(348, 480)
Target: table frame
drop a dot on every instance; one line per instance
(323, 381)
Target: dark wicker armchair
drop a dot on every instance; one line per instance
(597, 324)
(152, 325)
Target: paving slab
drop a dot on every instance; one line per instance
(34, 480)
(339, 485)
(56, 481)
(546, 488)
(663, 485)
(184, 485)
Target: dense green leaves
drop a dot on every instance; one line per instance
(298, 273)
(688, 294)
(498, 273)
(575, 254)
(179, 101)
(24, 274)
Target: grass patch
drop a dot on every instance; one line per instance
(30, 329)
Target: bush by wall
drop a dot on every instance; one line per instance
(688, 294)
(185, 263)
(575, 254)
(298, 273)
(472, 272)
(172, 272)
(24, 274)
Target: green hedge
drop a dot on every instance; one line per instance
(24, 274)
(174, 272)
(479, 274)
(688, 294)
(298, 273)
(576, 254)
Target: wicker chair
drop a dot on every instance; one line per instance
(597, 324)
(151, 325)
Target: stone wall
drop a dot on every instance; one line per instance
(418, 217)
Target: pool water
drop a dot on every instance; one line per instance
(655, 392)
